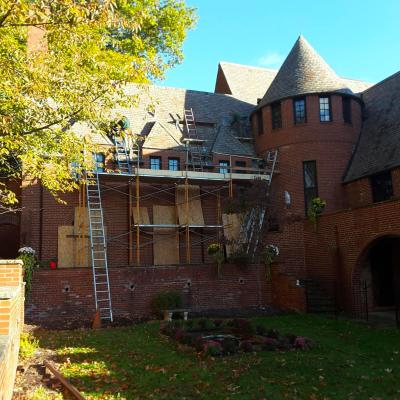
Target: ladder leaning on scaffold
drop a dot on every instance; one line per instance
(101, 281)
(195, 150)
(122, 155)
(251, 229)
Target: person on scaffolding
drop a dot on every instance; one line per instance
(122, 130)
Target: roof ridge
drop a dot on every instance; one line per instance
(182, 89)
(249, 66)
(383, 81)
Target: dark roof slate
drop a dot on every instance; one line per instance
(245, 82)
(304, 71)
(159, 116)
(378, 148)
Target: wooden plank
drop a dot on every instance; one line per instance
(165, 241)
(81, 221)
(65, 254)
(195, 209)
(143, 216)
(232, 224)
(71, 388)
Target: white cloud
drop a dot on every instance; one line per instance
(271, 59)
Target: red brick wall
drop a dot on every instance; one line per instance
(334, 252)
(235, 288)
(329, 143)
(286, 294)
(359, 193)
(11, 323)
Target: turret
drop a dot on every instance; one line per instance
(313, 118)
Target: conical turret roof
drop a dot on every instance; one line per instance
(304, 71)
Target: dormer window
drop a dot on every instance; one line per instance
(276, 114)
(325, 109)
(299, 110)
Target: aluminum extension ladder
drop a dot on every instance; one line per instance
(251, 229)
(195, 150)
(98, 248)
(122, 155)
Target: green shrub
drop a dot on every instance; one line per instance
(28, 257)
(28, 345)
(167, 300)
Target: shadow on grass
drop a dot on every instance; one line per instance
(348, 361)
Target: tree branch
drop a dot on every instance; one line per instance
(36, 24)
(67, 117)
(7, 14)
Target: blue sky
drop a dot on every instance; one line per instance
(360, 39)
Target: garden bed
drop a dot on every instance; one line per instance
(220, 337)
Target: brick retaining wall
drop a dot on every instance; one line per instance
(61, 296)
(11, 322)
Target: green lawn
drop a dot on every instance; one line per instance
(348, 361)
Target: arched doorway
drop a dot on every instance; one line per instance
(380, 273)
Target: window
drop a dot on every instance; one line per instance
(155, 162)
(276, 114)
(325, 109)
(241, 164)
(173, 164)
(223, 167)
(299, 110)
(99, 161)
(381, 185)
(346, 103)
(260, 122)
(310, 183)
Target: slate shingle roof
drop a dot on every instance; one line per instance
(159, 116)
(378, 148)
(245, 82)
(304, 71)
(251, 83)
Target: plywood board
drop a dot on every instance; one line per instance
(166, 241)
(194, 216)
(232, 224)
(73, 250)
(65, 257)
(143, 216)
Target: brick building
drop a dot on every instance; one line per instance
(165, 183)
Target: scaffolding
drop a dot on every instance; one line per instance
(130, 185)
(129, 180)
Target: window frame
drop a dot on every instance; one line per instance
(240, 164)
(377, 196)
(295, 120)
(155, 158)
(276, 123)
(178, 163)
(329, 109)
(260, 122)
(312, 189)
(223, 165)
(346, 112)
(100, 165)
